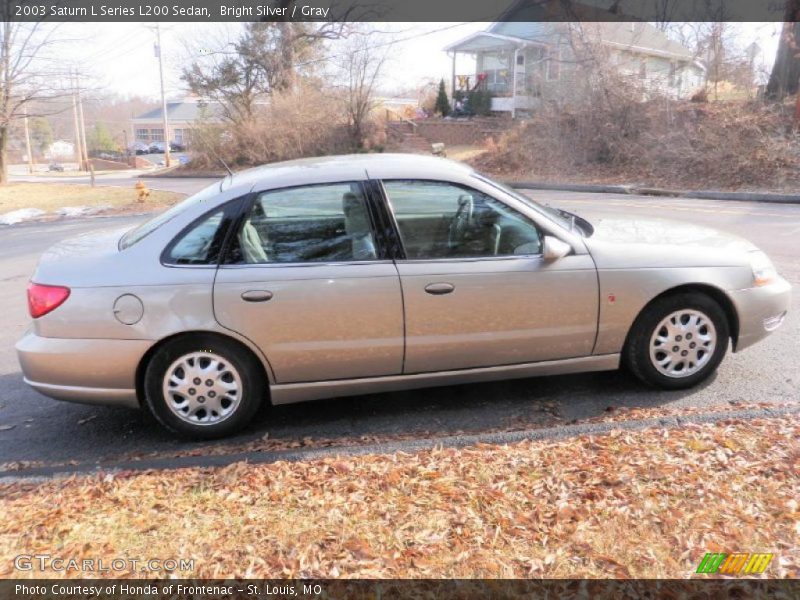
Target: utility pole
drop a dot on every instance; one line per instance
(28, 143)
(78, 146)
(82, 124)
(163, 97)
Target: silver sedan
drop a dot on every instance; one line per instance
(360, 274)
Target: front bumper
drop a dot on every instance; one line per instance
(761, 310)
(89, 371)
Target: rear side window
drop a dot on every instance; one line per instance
(307, 224)
(200, 244)
(142, 231)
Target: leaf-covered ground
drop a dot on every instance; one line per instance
(625, 504)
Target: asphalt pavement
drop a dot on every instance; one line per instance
(35, 428)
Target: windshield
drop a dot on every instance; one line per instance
(142, 231)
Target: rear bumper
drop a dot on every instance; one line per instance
(82, 370)
(761, 311)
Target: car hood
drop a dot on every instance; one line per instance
(628, 242)
(77, 261)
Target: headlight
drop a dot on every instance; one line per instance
(763, 270)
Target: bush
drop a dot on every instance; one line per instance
(611, 137)
(291, 125)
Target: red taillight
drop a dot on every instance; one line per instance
(44, 298)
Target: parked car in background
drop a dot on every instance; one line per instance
(139, 148)
(175, 146)
(56, 167)
(359, 274)
(158, 148)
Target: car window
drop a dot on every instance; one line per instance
(316, 223)
(444, 220)
(136, 234)
(201, 244)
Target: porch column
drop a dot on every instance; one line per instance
(514, 85)
(453, 78)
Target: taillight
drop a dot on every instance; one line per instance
(44, 298)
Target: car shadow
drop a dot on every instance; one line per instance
(38, 429)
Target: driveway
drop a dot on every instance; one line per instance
(34, 428)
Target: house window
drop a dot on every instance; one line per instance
(177, 135)
(142, 135)
(497, 66)
(643, 68)
(672, 71)
(520, 59)
(554, 63)
(156, 135)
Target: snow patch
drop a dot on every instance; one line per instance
(77, 211)
(23, 214)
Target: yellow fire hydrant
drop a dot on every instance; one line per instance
(141, 191)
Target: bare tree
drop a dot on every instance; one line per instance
(29, 77)
(360, 66)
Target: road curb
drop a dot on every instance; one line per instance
(650, 191)
(414, 445)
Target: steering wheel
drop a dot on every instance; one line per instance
(461, 222)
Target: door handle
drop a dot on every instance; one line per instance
(437, 289)
(256, 296)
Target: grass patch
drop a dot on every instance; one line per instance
(52, 196)
(645, 504)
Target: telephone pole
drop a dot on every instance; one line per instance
(163, 97)
(82, 124)
(78, 146)
(28, 143)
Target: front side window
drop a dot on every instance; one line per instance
(316, 223)
(439, 220)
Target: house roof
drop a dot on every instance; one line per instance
(182, 111)
(528, 22)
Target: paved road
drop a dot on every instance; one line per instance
(46, 430)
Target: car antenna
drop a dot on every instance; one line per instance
(217, 156)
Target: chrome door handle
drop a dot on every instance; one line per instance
(256, 296)
(437, 289)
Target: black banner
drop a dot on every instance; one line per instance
(395, 10)
(434, 589)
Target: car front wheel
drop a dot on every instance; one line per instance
(678, 341)
(203, 386)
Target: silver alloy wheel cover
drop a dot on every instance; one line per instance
(683, 343)
(209, 402)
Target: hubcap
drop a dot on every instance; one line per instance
(202, 388)
(683, 343)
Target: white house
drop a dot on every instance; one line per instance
(60, 150)
(523, 63)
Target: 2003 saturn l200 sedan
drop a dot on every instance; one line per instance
(346, 275)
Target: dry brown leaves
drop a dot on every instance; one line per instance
(625, 504)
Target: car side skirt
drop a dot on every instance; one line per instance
(299, 392)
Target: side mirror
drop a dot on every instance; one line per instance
(554, 248)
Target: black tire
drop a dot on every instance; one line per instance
(246, 366)
(636, 354)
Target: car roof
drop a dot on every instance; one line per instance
(344, 168)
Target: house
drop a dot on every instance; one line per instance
(182, 117)
(60, 150)
(525, 63)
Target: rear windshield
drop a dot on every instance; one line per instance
(142, 231)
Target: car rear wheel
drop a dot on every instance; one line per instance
(203, 386)
(678, 341)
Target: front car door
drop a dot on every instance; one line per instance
(308, 281)
(477, 291)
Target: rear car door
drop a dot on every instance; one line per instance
(308, 280)
(477, 290)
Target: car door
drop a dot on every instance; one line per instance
(308, 281)
(477, 291)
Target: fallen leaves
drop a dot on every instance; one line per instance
(623, 504)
